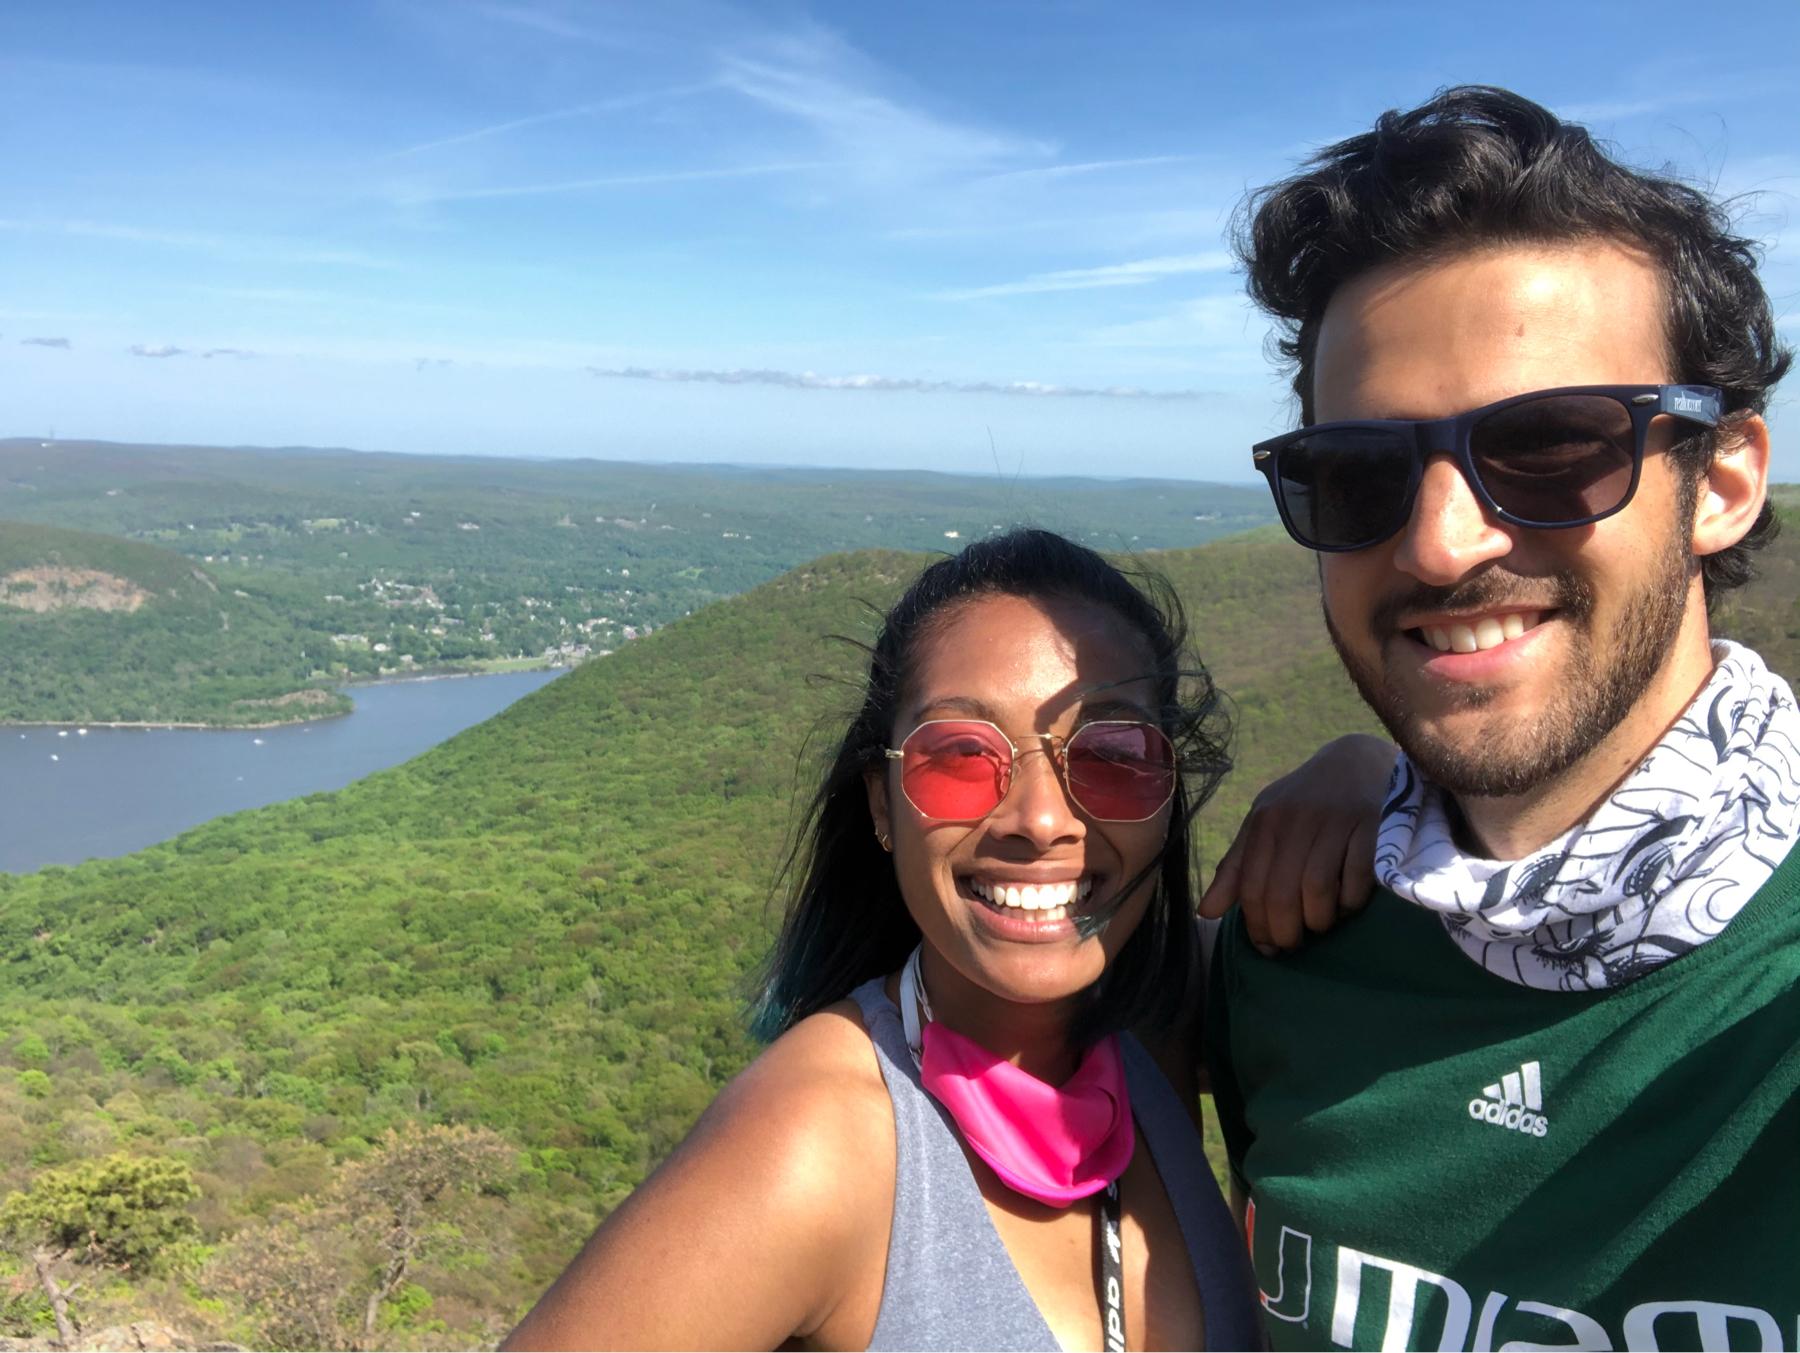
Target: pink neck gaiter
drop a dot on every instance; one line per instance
(1054, 1143)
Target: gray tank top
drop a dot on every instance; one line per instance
(950, 1282)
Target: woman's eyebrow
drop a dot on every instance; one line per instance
(1114, 706)
(962, 704)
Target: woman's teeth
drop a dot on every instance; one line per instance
(1050, 900)
(1488, 632)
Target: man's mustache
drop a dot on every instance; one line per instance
(1560, 591)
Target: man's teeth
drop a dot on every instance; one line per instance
(1043, 897)
(1487, 632)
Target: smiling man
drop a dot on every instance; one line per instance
(1546, 1091)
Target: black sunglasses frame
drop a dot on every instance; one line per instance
(1702, 404)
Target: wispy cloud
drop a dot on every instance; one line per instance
(1109, 230)
(592, 109)
(170, 350)
(809, 380)
(550, 23)
(540, 20)
(1139, 272)
(1064, 171)
(285, 296)
(1617, 110)
(241, 247)
(1671, 92)
(1223, 326)
(125, 82)
(814, 78)
(800, 90)
(45, 342)
(608, 181)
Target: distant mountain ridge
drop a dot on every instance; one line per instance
(381, 564)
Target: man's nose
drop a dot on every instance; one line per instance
(1449, 534)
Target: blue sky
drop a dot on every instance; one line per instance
(936, 235)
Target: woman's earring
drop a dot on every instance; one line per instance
(887, 842)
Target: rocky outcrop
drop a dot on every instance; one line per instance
(51, 587)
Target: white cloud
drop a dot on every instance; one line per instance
(606, 181)
(235, 246)
(1062, 171)
(1109, 231)
(156, 350)
(1672, 91)
(1223, 330)
(1616, 110)
(1139, 272)
(814, 78)
(539, 20)
(45, 342)
(591, 109)
(623, 30)
(808, 380)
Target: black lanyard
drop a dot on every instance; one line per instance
(1112, 1270)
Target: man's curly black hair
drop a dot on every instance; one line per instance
(1479, 166)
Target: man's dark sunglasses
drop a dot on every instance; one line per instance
(1550, 458)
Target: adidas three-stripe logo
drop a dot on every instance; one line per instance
(1514, 1102)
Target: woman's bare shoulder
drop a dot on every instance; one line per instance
(817, 1079)
(785, 1163)
(813, 1100)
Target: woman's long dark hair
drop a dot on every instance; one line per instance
(846, 921)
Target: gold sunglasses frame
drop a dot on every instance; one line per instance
(1055, 746)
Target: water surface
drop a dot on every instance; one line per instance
(68, 796)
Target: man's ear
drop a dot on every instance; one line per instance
(1734, 485)
(875, 782)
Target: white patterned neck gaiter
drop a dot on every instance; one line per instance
(1661, 867)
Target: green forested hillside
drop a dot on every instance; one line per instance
(390, 563)
(543, 929)
(97, 629)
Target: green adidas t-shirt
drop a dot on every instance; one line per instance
(1437, 1158)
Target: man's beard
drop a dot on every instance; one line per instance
(1603, 680)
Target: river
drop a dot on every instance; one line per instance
(68, 796)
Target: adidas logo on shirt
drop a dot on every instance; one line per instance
(1514, 1102)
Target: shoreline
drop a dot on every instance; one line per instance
(451, 676)
(151, 725)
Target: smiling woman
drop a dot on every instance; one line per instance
(953, 1140)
